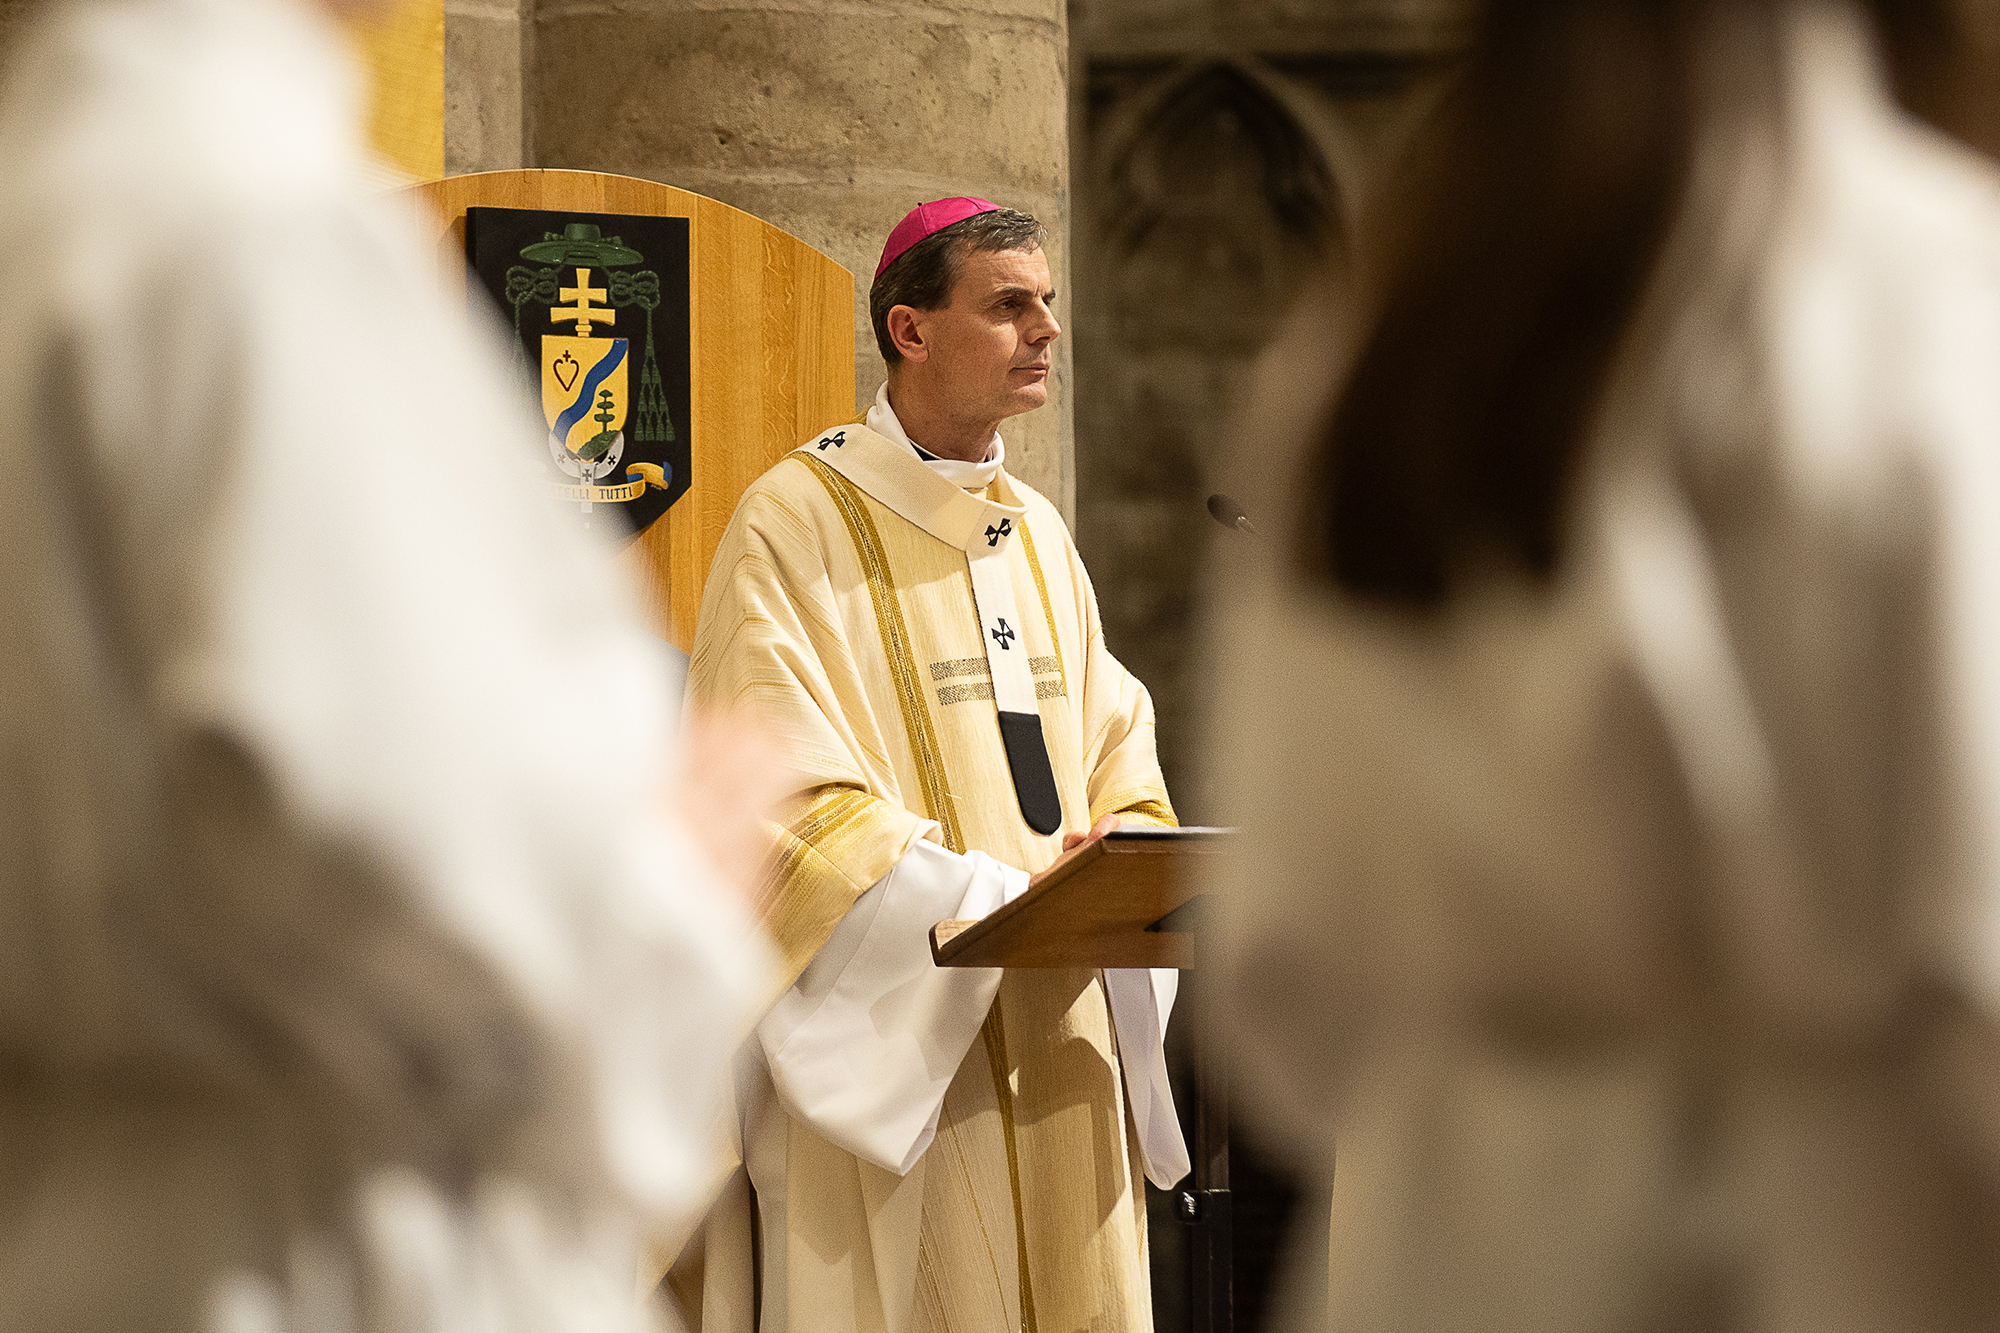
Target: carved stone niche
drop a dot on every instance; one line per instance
(1205, 200)
(1210, 184)
(1213, 197)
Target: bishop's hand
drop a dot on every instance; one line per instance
(1072, 841)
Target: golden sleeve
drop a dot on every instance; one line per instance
(769, 642)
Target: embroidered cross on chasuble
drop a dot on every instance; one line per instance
(932, 663)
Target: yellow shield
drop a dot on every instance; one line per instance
(583, 392)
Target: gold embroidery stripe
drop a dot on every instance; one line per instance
(1048, 609)
(1003, 1095)
(1158, 811)
(831, 809)
(978, 666)
(779, 869)
(958, 694)
(802, 890)
(810, 808)
(959, 666)
(823, 831)
(847, 498)
(795, 920)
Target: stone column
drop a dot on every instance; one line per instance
(485, 49)
(829, 120)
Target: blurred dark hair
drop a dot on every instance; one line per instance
(1918, 36)
(1540, 205)
(1942, 66)
(923, 275)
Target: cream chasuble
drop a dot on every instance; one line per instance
(842, 610)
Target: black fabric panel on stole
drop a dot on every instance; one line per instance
(1034, 777)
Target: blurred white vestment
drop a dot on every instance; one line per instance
(351, 977)
(1638, 936)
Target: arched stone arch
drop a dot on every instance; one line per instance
(1213, 196)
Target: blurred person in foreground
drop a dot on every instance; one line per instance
(1617, 727)
(352, 973)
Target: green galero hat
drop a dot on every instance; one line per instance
(581, 243)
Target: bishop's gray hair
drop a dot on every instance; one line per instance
(923, 275)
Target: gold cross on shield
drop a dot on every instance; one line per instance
(582, 312)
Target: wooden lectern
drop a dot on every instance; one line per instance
(1131, 899)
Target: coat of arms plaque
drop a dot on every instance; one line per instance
(598, 304)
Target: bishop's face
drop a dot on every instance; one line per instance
(991, 344)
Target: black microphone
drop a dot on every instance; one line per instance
(1230, 514)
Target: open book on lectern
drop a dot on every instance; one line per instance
(1126, 900)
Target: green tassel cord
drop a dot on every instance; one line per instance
(655, 423)
(526, 284)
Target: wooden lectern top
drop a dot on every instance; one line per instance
(1105, 904)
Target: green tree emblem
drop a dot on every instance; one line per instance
(599, 444)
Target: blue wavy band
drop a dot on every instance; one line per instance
(575, 411)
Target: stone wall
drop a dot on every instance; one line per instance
(830, 120)
(486, 49)
(1222, 145)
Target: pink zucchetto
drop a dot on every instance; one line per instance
(927, 220)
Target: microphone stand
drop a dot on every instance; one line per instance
(1230, 515)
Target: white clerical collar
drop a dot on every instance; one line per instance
(968, 476)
